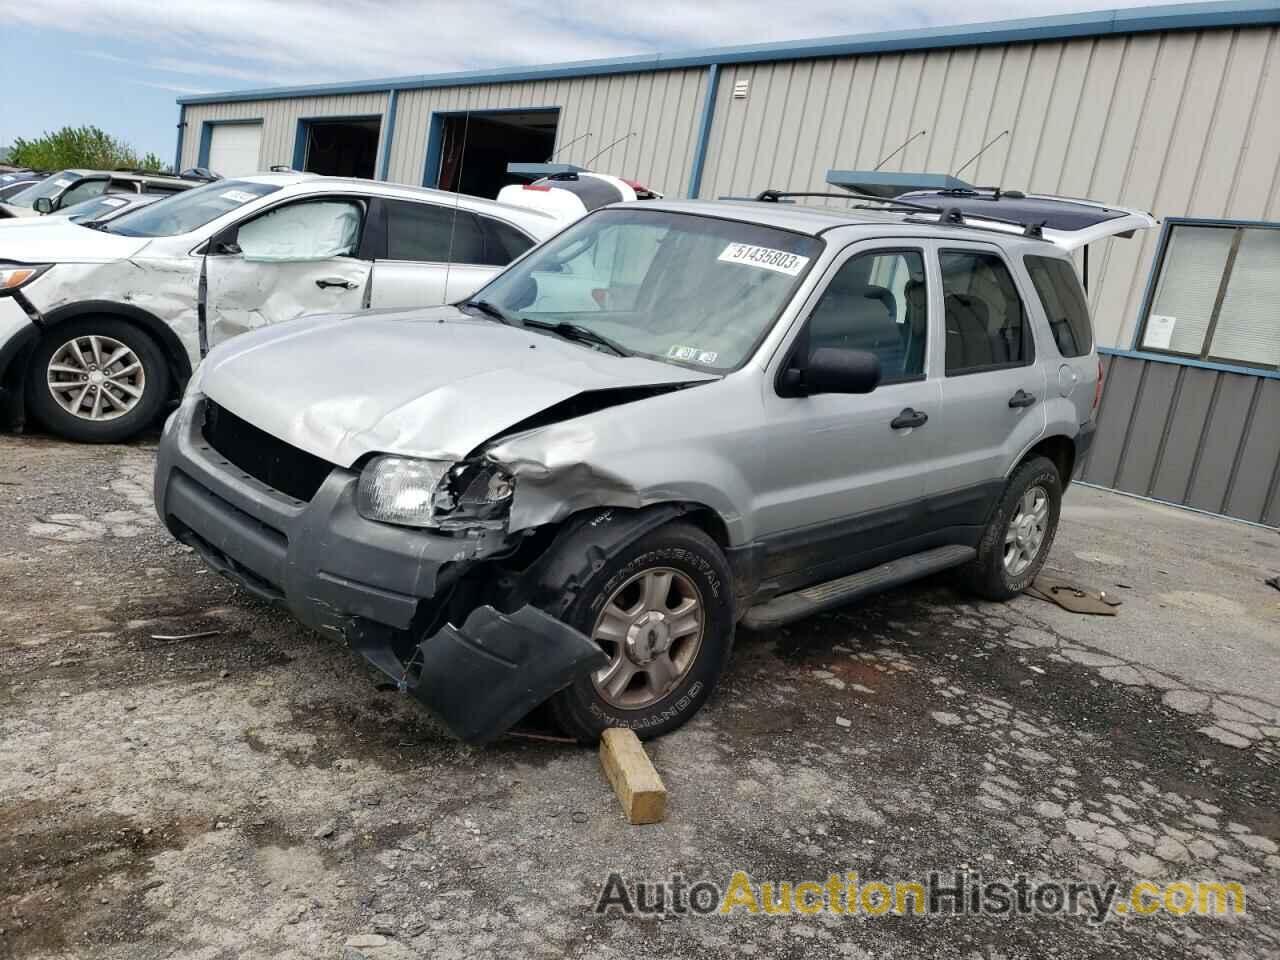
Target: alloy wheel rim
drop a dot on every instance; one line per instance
(1025, 535)
(96, 378)
(651, 627)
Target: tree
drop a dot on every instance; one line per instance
(87, 147)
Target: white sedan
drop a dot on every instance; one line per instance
(99, 328)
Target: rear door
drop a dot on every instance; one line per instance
(294, 259)
(433, 254)
(993, 390)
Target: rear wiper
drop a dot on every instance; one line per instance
(576, 331)
(489, 310)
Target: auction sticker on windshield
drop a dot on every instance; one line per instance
(765, 258)
(239, 196)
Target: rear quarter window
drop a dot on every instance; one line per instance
(1064, 304)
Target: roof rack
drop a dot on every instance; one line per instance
(952, 216)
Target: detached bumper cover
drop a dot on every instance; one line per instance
(364, 582)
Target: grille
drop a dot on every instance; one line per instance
(279, 465)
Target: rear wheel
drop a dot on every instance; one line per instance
(662, 611)
(97, 380)
(1019, 534)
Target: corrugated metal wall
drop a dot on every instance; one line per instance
(279, 121)
(661, 108)
(1202, 438)
(1178, 123)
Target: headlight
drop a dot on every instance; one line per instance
(434, 493)
(13, 276)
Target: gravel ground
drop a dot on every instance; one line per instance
(253, 793)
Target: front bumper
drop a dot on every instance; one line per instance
(367, 583)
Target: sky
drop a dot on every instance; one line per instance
(122, 64)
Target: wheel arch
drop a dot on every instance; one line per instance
(174, 352)
(1059, 450)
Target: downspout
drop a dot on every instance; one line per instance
(704, 131)
(182, 129)
(389, 135)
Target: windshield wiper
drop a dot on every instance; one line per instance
(489, 310)
(576, 331)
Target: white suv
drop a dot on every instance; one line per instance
(99, 328)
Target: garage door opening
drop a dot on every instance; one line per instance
(231, 149)
(469, 154)
(341, 148)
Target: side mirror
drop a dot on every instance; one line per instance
(44, 205)
(832, 370)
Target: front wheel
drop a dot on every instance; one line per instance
(97, 380)
(662, 611)
(1019, 534)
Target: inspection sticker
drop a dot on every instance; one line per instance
(239, 196)
(766, 258)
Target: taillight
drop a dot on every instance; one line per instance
(1097, 390)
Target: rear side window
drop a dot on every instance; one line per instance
(429, 233)
(986, 323)
(1064, 304)
(502, 243)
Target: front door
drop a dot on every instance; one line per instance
(840, 478)
(290, 261)
(993, 391)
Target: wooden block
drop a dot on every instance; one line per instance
(637, 784)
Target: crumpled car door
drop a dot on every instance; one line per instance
(289, 262)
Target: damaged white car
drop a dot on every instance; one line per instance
(671, 418)
(100, 328)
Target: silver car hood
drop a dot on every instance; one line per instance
(433, 383)
(58, 240)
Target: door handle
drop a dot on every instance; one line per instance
(909, 418)
(1022, 399)
(325, 282)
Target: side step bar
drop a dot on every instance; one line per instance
(790, 607)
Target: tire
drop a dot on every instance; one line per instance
(128, 396)
(989, 575)
(698, 570)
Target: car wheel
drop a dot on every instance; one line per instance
(662, 610)
(97, 380)
(1019, 534)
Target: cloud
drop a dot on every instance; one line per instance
(268, 42)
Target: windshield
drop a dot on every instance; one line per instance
(50, 188)
(189, 210)
(687, 289)
(93, 209)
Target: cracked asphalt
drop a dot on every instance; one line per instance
(252, 793)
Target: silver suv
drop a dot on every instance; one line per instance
(669, 419)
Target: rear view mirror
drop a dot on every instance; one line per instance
(44, 205)
(832, 370)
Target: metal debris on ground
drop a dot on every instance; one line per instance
(174, 637)
(1071, 597)
(1274, 581)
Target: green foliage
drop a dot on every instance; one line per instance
(87, 147)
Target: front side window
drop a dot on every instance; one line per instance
(191, 209)
(877, 302)
(676, 287)
(82, 191)
(1064, 304)
(985, 320)
(1217, 295)
(502, 242)
(310, 230)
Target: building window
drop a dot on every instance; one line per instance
(1217, 295)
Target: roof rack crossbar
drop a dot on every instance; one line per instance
(946, 215)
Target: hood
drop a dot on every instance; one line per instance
(58, 240)
(433, 383)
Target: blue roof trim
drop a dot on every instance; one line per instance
(1182, 16)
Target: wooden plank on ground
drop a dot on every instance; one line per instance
(637, 784)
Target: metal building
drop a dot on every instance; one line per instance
(1173, 109)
